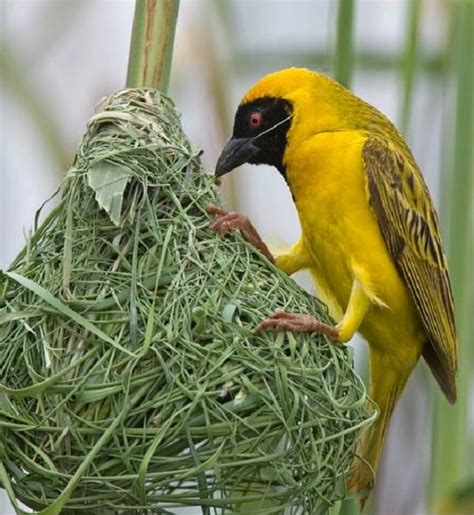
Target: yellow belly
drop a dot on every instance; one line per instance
(343, 238)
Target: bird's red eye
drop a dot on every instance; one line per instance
(255, 119)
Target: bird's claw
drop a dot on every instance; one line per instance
(227, 221)
(282, 321)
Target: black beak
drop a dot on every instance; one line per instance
(235, 153)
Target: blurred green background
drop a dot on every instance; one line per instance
(413, 59)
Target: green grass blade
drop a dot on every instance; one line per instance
(63, 309)
(57, 506)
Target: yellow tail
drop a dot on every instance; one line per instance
(387, 383)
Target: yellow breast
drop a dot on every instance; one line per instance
(327, 179)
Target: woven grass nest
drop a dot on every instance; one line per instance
(131, 380)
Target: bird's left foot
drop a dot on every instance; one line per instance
(282, 321)
(227, 221)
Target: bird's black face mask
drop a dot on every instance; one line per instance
(259, 136)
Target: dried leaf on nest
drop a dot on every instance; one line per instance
(109, 182)
(130, 376)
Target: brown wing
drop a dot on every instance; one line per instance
(410, 228)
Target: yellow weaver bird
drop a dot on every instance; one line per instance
(370, 233)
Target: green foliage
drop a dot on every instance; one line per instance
(409, 60)
(453, 442)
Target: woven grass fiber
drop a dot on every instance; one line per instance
(131, 380)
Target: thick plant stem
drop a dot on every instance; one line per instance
(151, 47)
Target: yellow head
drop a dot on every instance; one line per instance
(295, 103)
(309, 92)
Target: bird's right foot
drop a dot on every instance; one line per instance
(298, 323)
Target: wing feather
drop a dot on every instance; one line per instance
(410, 228)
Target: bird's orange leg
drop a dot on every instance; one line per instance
(282, 321)
(227, 221)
